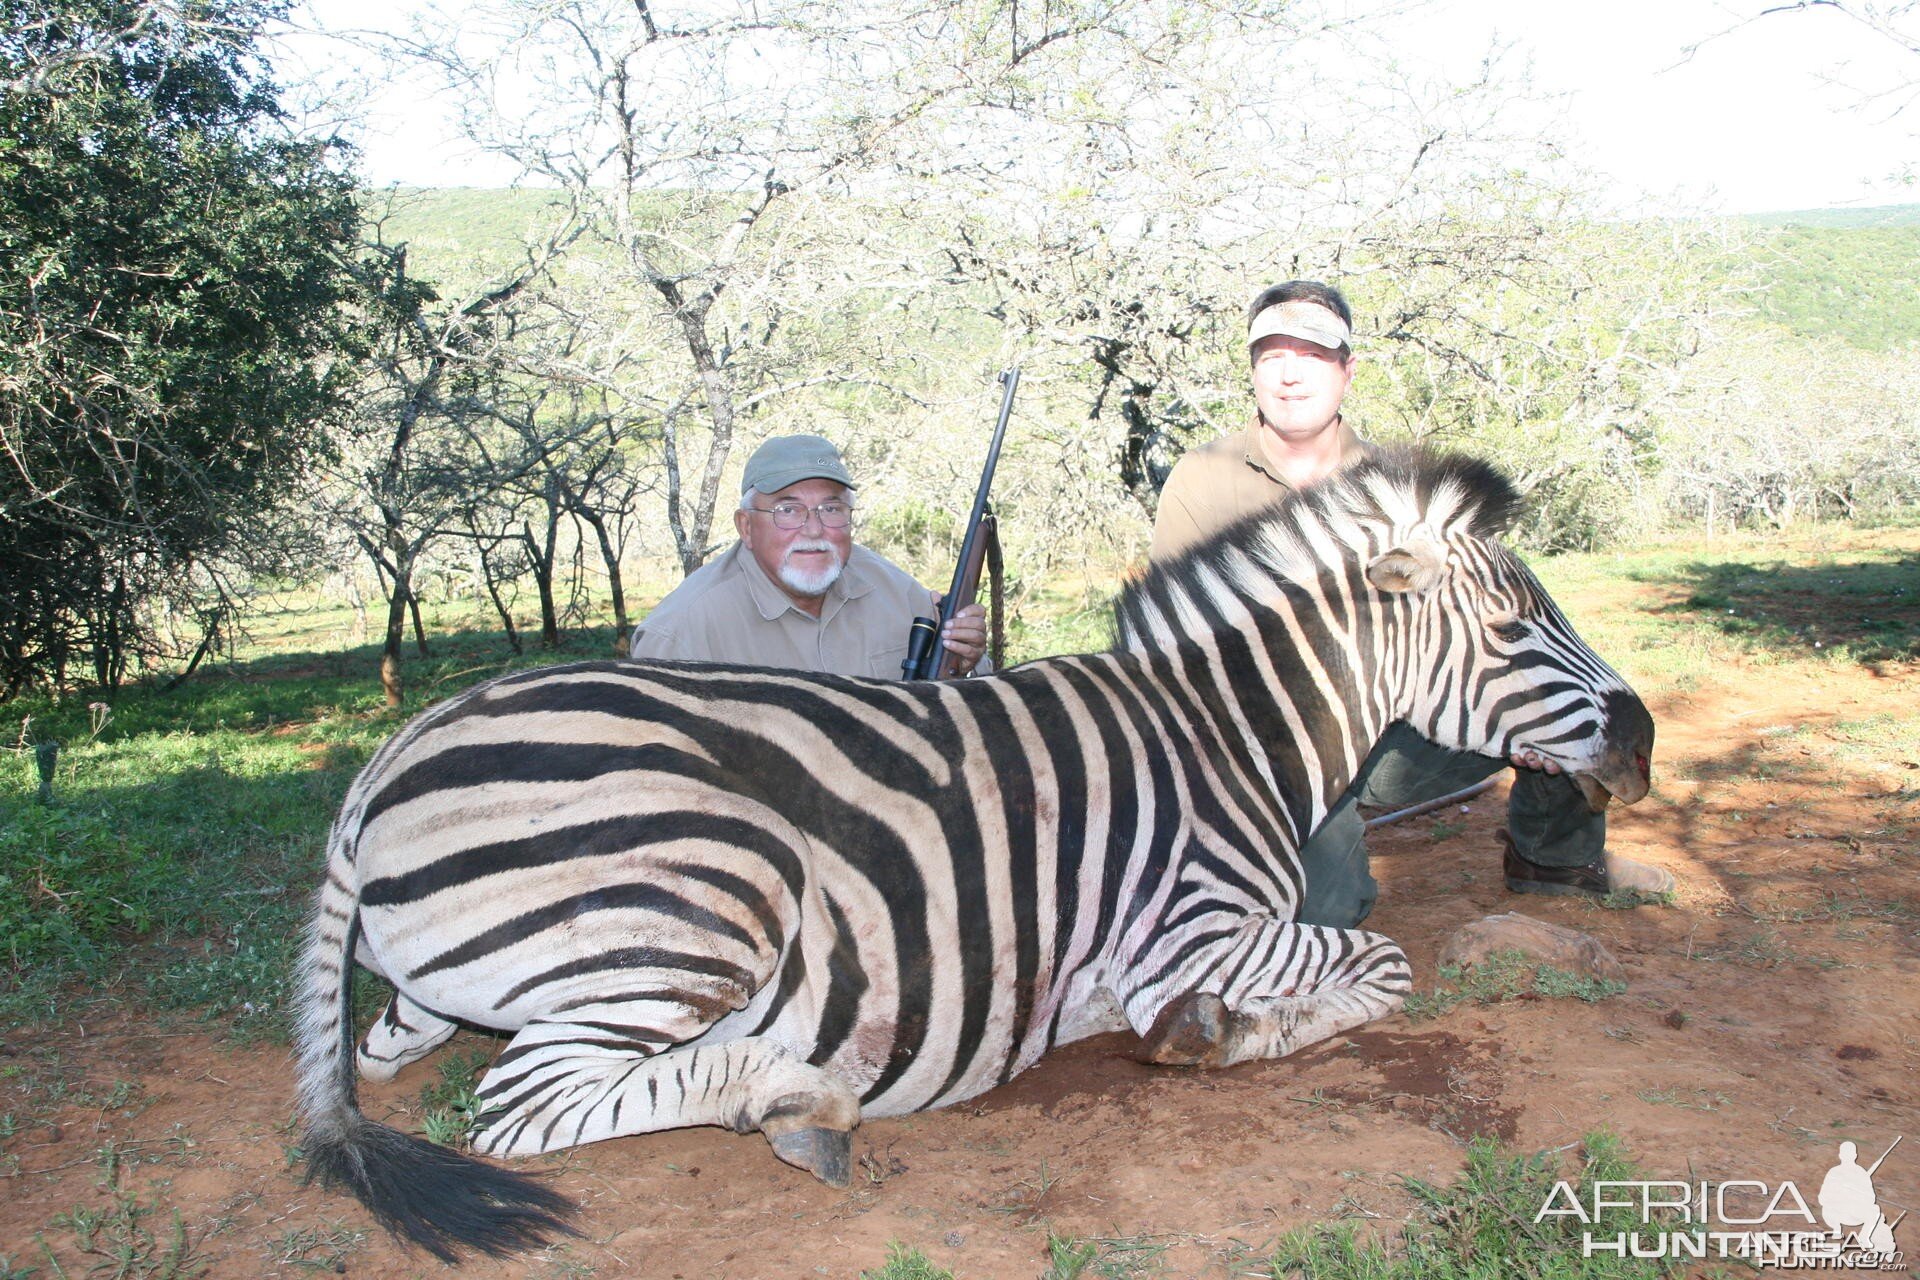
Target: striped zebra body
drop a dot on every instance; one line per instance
(707, 895)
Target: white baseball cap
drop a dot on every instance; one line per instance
(1300, 318)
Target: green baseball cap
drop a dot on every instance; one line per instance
(786, 460)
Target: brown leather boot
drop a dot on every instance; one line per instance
(1610, 874)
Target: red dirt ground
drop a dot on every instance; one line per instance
(1773, 1011)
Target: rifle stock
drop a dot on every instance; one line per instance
(947, 664)
(927, 657)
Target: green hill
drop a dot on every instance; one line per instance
(1853, 274)
(1886, 215)
(1861, 285)
(459, 234)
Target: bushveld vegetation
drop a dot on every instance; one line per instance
(173, 304)
(538, 395)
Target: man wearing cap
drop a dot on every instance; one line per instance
(795, 591)
(1299, 340)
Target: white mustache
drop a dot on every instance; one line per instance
(813, 580)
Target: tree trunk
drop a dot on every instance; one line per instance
(506, 618)
(391, 679)
(499, 604)
(542, 557)
(693, 531)
(611, 559)
(419, 632)
(207, 640)
(358, 600)
(549, 615)
(1137, 470)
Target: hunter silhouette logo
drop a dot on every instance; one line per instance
(1715, 1219)
(1847, 1200)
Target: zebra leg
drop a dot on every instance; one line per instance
(562, 1084)
(1277, 987)
(404, 1032)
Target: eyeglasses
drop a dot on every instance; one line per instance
(793, 515)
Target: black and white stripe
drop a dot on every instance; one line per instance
(714, 895)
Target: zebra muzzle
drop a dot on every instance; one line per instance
(1598, 797)
(1626, 782)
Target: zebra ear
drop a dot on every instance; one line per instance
(1418, 564)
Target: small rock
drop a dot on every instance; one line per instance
(1675, 1019)
(1553, 944)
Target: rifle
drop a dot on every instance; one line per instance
(927, 657)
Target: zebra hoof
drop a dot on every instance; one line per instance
(1191, 1031)
(825, 1153)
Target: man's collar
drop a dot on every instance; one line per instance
(772, 601)
(1255, 451)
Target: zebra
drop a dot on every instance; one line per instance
(709, 895)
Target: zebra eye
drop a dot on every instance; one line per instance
(1509, 628)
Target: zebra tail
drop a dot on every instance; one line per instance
(428, 1195)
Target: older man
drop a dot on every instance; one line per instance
(795, 591)
(1299, 344)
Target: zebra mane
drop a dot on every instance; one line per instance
(1399, 487)
(1406, 485)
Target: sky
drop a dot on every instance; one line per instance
(1769, 114)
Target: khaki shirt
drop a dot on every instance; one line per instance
(729, 610)
(1218, 483)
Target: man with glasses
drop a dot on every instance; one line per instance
(1299, 348)
(795, 591)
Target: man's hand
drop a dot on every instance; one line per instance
(1528, 758)
(965, 634)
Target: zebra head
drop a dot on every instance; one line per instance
(1491, 665)
(1383, 594)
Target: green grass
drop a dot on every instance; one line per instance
(128, 1238)
(1764, 947)
(450, 1104)
(1673, 616)
(1504, 976)
(1056, 619)
(203, 845)
(1107, 1257)
(321, 1249)
(175, 865)
(1684, 1099)
(904, 1263)
(1885, 741)
(1480, 1228)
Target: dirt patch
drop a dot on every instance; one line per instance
(1455, 1086)
(1772, 1012)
